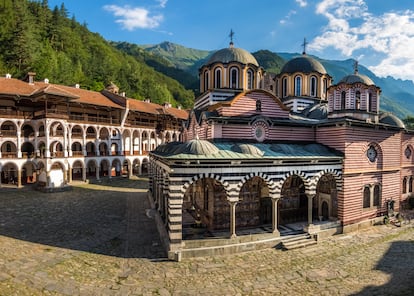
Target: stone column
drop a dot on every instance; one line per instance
(83, 174)
(233, 219)
(97, 172)
(310, 205)
(275, 202)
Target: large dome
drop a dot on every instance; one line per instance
(303, 64)
(232, 54)
(357, 78)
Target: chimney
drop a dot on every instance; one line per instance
(123, 94)
(46, 81)
(167, 105)
(31, 77)
(77, 85)
(147, 101)
(8, 76)
(179, 107)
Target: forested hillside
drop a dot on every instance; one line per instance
(35, 38)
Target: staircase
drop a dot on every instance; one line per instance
(298, 241)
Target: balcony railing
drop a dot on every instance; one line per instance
(9, 154)
(8, 133)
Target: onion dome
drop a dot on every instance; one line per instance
(357, 78)
(391, 119)
(247, 149)
(303, 64)
(197, 147)
(232, 54)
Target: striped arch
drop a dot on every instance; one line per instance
(337, 174)
(272, 185)
(309, 190)
(203, 176)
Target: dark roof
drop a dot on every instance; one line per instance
(357, 78)
(202, 149)
(318, 111)
(232, 54)
(391, 119)
(304, 64)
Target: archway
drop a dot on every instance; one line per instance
(8, 129)
(326, 196)
(77, 149)
(77, 170)
(90, 149)
(104, 168)
(144, 169)
(8, 150)
(205, 209)
(103, 149)
(56, 175)
(255, 206)
(136, 169)
(116, 168)
(27, 131)
(28, 173)
(125, 169)
(9, 173)
(293, 205)
(91, 169)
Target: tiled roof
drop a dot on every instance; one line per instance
(12, 86)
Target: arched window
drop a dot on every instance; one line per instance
(206, 81)
(259, 106)
(367, 198)
(217, 78)
(298, 86)
(357, 99)
(313, 86)
(404, 185)
(284, 87)
(377, 196)
(234, 78)
(370, 103)
(325, 85)
(249, 79)
(343, 100)
(410, 184)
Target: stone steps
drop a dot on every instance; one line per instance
(298, 241)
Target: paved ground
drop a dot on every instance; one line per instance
(98, 240)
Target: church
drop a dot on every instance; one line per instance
(263, 161)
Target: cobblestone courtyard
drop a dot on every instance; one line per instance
(100, 240)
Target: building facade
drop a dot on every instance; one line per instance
(52, 134)
(305, 152)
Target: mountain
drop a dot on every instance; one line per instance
(397, 95)
(34, 38)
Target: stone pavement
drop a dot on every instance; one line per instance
(99, 240)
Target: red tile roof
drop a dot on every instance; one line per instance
(12, 86)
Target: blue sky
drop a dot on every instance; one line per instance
(379, 33)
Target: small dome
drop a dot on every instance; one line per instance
(317, 111)
(247, 149)
(232, 54)
(391, 119)
(303, 64)
(167, 148)
(357, 78)
(197, 147)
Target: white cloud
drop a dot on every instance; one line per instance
(162, 3)
(351, 27)
(132, 18)
(287, 17)
(302, 3)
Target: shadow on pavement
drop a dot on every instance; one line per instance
(107, 218)
(398, 262)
